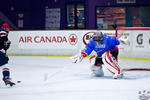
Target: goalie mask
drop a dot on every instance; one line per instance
(97, 36)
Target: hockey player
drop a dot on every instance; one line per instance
(102, 44)
(4, 45)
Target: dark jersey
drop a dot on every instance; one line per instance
(3, 37)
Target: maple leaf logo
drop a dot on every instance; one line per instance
(73, 39)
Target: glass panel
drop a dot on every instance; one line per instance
(120, 0)
(80, 16)
(144, 16)
(110, 17)
(132, 1)
(70, 16)
(126, 1)
(136, 17)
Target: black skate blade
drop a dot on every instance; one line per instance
(12, 84)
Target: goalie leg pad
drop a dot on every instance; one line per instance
(111, 63)
(96, 68)
(97, 71)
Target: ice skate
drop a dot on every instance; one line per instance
(7, 81)
(118, 76)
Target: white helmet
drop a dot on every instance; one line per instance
(97, 36)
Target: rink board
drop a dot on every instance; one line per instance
(70, 42)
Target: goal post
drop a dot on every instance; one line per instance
(138, 47)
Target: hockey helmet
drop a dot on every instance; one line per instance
(97, 36)
(6, 27)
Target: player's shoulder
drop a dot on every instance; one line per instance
(109, 37)
(106, 37)
(91, 42)
(3, 32)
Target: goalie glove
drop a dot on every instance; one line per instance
(124, 40)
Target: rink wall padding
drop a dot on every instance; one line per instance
(70, 42)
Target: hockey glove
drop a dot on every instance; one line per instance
(124, 40)
(6, 45)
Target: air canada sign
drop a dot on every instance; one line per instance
(47, 41)
(43, 39)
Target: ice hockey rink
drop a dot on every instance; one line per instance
(57, 78)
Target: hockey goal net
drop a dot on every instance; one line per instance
(135, 54)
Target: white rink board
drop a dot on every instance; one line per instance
(139, 43)
(60, 42)
(69, 42)
(44, 42)
(47, 40)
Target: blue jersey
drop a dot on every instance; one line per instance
(107, 43)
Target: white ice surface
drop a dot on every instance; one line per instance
(56, 78)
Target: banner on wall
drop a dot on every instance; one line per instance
(47, 40)
(56, 39)
(141, 40)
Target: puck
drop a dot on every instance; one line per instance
(18, 81)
